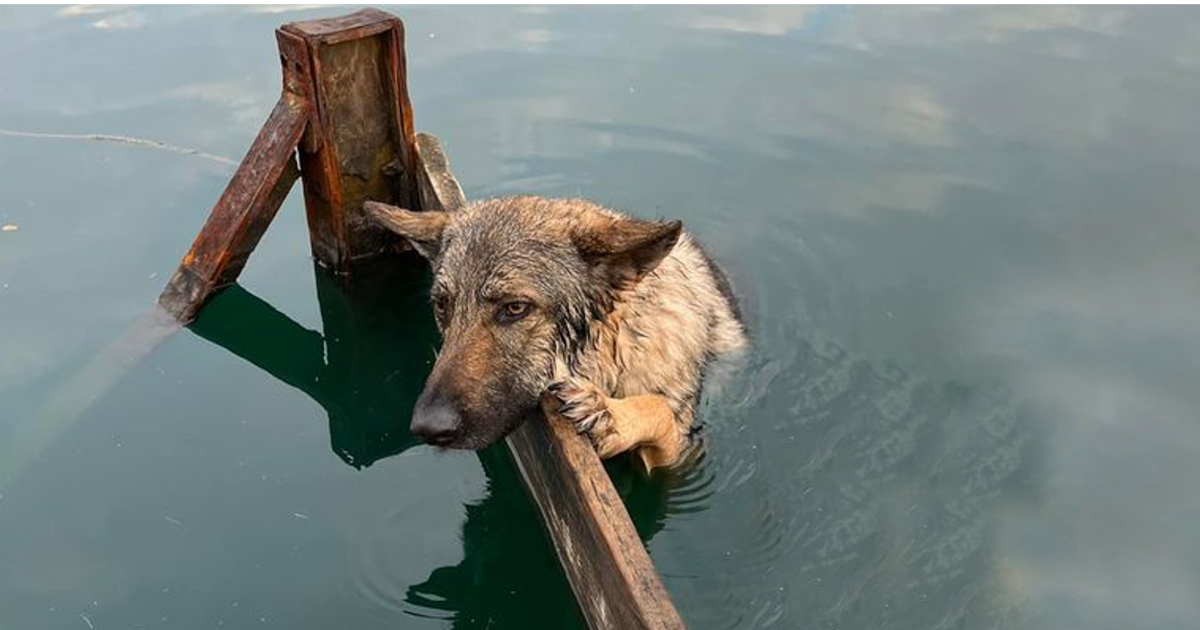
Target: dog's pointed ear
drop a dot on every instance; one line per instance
(624, 250)
(422, 229)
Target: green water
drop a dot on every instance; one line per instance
(966, 239)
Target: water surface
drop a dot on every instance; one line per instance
(966, 238)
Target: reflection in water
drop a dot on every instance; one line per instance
(492, 587)
(366, 370)
(969, 234)
(876, 509)
(870, 497)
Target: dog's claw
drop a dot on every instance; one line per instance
(581, 404)
(587, 424)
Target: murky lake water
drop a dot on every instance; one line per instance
(967, 240)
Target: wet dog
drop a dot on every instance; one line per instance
(604, 320)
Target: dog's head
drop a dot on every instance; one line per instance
(516, 285)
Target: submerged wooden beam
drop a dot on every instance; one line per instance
(606, 564)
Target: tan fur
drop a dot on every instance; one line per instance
(644, 423)
(633, 381)
(649, 353)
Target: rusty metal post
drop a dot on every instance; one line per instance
(345, 106)
(360, 144)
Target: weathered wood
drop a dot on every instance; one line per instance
(242, 214)
(345, 106)
(437, 187)
(361, 144)
(606, 564)
(609, 570)
(334, 30)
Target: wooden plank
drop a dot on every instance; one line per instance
(361, 145)
(437, 187)
(361, 23)
(345, 105)
(608, 567)
(605, 562)
(242, 214)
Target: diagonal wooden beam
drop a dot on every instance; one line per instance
(242, 214)
(345, 107)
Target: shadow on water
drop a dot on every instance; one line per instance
(366, 369)
(887, 476)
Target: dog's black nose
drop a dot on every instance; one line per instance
(436, 424)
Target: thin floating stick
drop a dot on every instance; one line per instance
(126, 140)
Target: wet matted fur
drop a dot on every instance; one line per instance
(605, 320)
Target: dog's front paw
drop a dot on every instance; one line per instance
(580, 403)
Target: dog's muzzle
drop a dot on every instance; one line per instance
(436, 422)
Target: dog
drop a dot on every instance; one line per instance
(604, 320)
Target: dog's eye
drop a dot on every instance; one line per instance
(512, 311)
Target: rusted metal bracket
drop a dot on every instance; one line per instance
(242, 214)
(360, 143)
(345, 110)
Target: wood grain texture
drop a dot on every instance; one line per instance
(361, 23)
(242, 214)
(608, 567)
(345, 106)
(361, 144)
(437, 186)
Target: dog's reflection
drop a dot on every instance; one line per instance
(366, 370)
